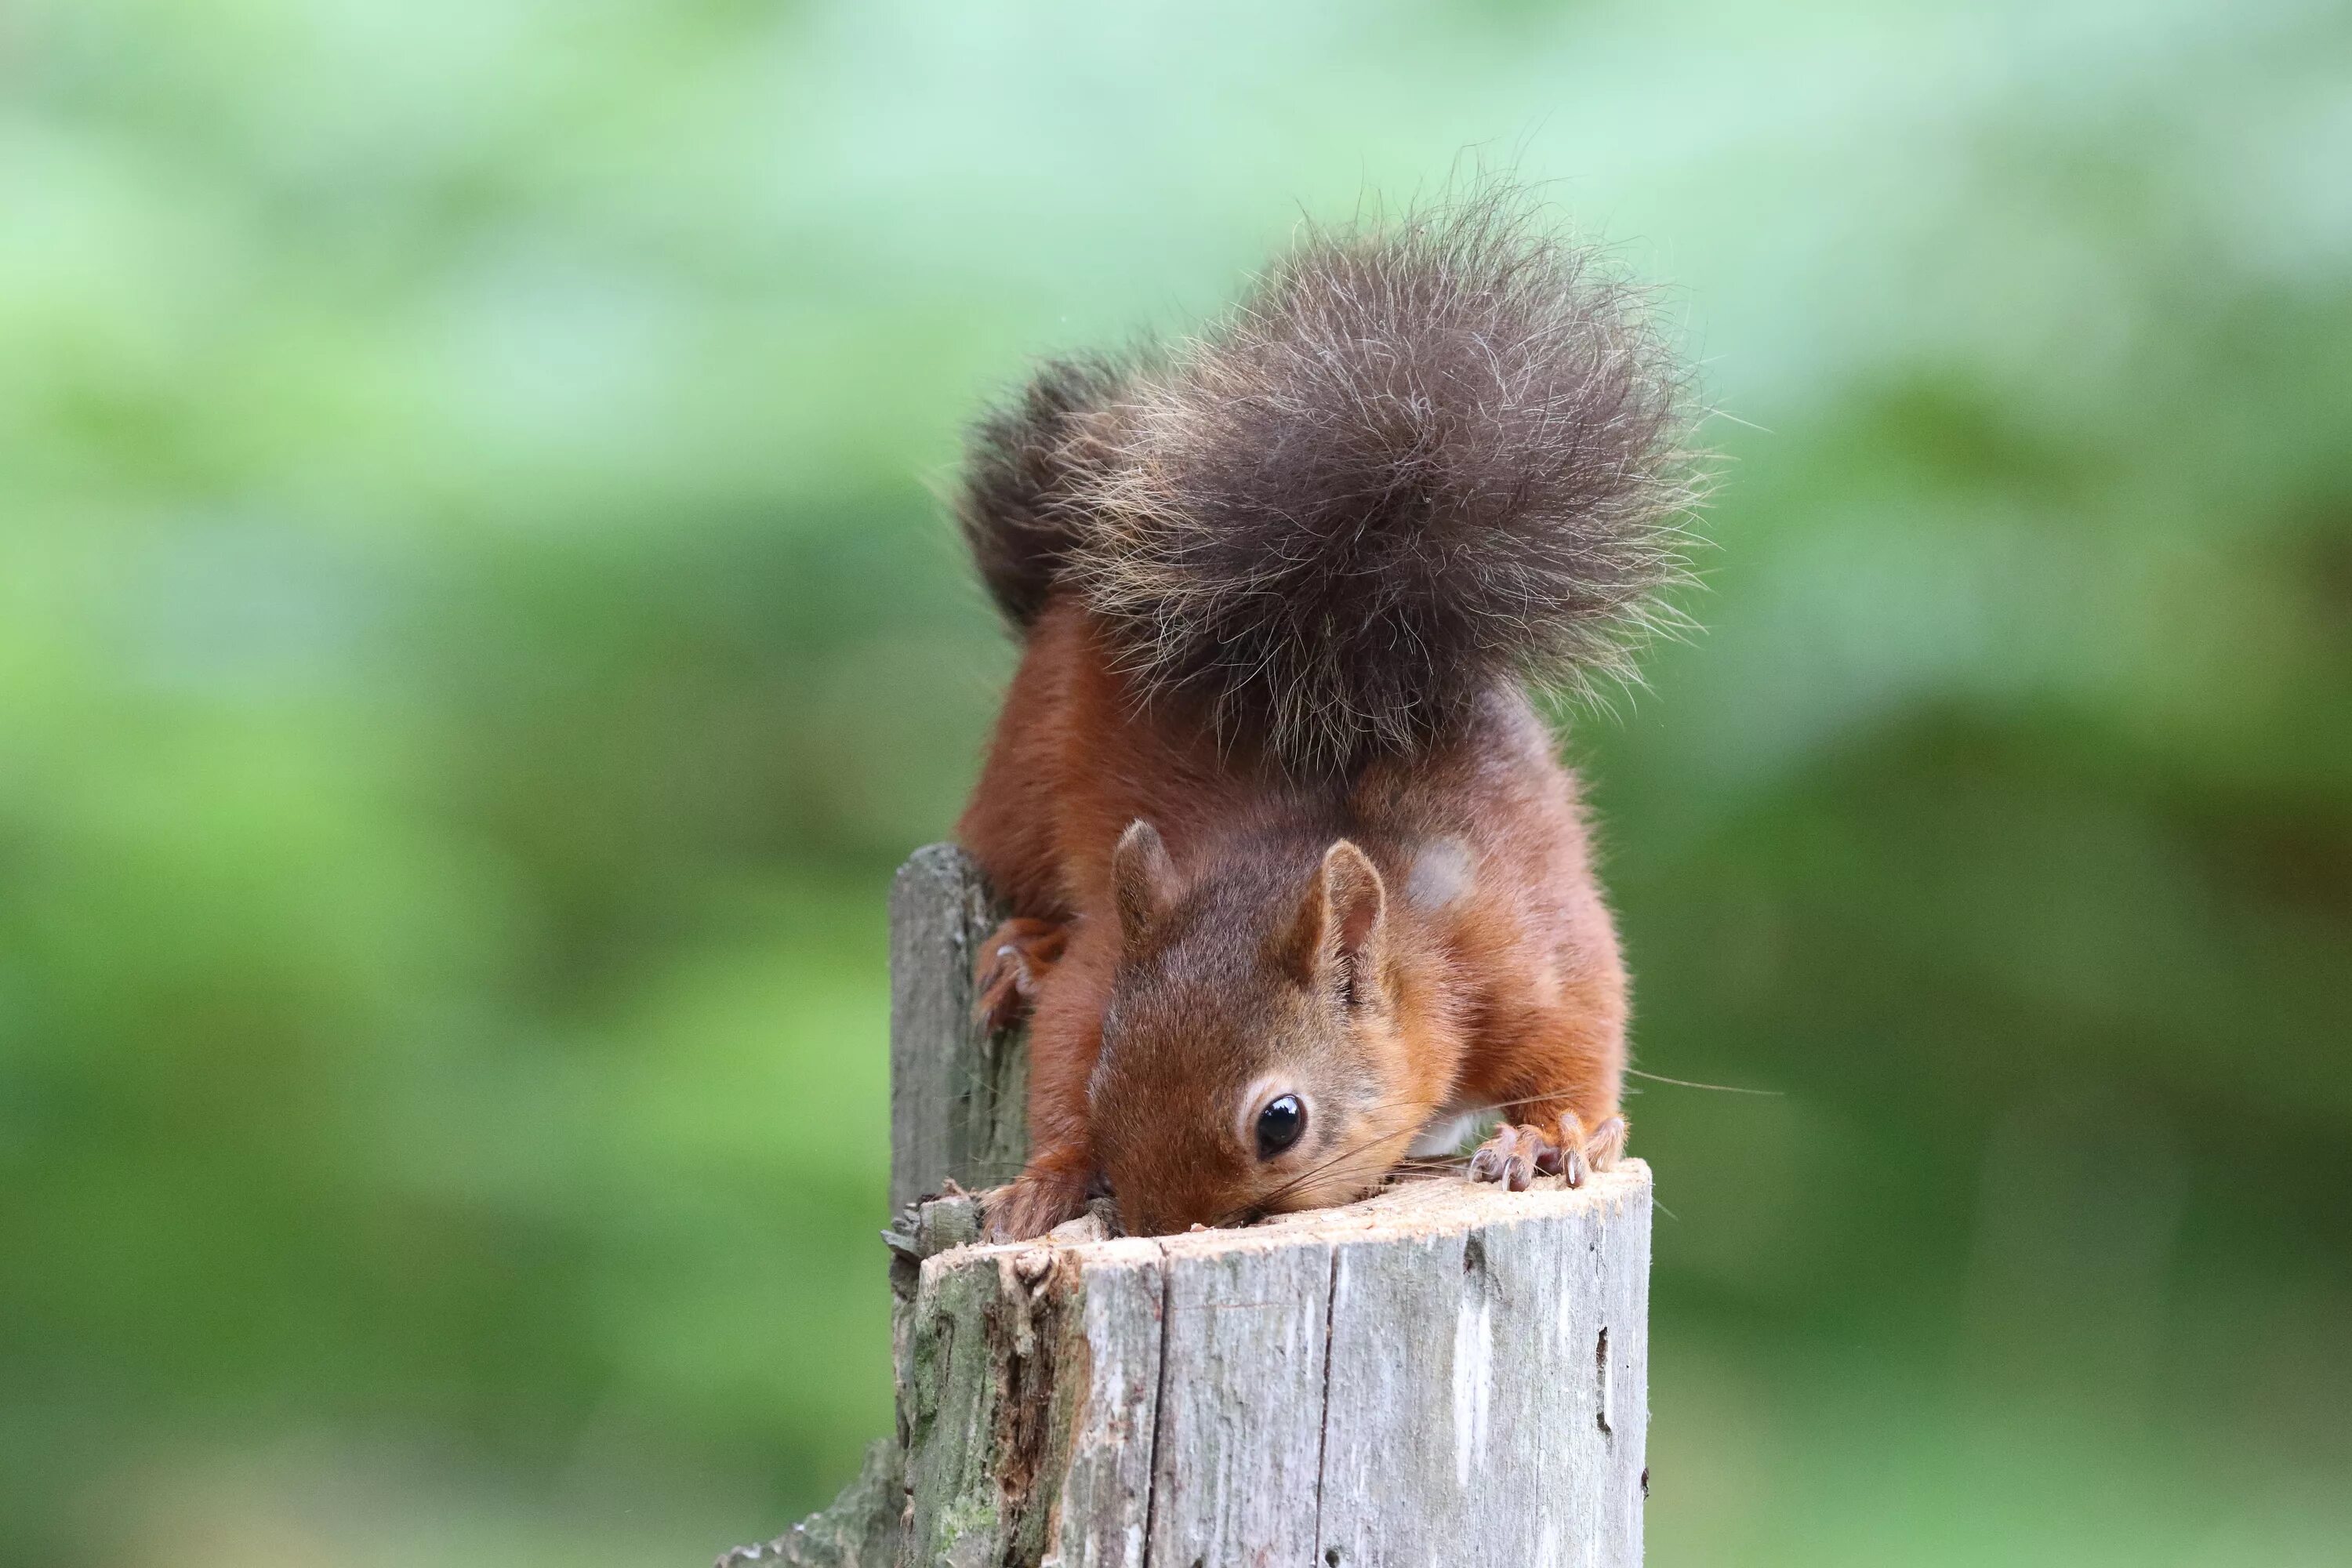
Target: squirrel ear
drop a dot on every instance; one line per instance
(1342, 923)
(1142, 879)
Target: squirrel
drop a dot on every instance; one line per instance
(1297, 883)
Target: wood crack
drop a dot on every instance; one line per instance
(1159, 1415)
(1323, 1434)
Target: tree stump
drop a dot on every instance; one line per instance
(1442, 1373)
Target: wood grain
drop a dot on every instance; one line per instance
(1420, 1378)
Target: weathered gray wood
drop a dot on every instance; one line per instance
(1472, 1396)
(1111, 1377)
(1237, 1446)
(1030, 1392)
(1417, 1379)
(1421, 1378)
(957, 1092)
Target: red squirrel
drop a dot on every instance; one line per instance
(1296, 881)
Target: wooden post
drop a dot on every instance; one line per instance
(1443, 1373)
(958, 1093)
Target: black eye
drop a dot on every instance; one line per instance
(1280, 1125)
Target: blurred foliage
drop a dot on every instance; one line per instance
(476, 634)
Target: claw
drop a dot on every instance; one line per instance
(1588, 1151)
(1013, 961)
(1605, 1143)
(1516, 1155)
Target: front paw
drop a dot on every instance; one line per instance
(1587, 1148)
(1037, 1200)
(1517, 1155)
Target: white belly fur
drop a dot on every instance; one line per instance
(1444, 1133)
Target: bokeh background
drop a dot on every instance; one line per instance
(477, 633)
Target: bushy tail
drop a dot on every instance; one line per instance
(1416, 461)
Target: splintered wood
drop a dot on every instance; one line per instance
(1441, 1374)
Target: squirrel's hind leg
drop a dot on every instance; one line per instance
(1012, 962)
(1071, 980)
(1046, 1193)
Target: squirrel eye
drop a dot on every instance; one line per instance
(1280, 1125)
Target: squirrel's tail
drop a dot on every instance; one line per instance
(1413, 462)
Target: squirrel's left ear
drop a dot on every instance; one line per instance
(1142, 879)
(1342, 924)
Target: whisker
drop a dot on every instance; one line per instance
(1687, 1083)
(1338, 1159)
(1318, 1169)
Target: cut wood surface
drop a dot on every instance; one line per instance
(1445, 1374)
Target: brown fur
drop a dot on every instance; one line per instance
(1270, 806)
(1510, 990)
(1025, 462)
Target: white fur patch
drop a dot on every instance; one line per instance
(1441, 872)
(1443, 1134)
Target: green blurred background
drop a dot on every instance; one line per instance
(477, 633)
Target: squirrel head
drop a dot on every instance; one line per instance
(1253, 1052)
